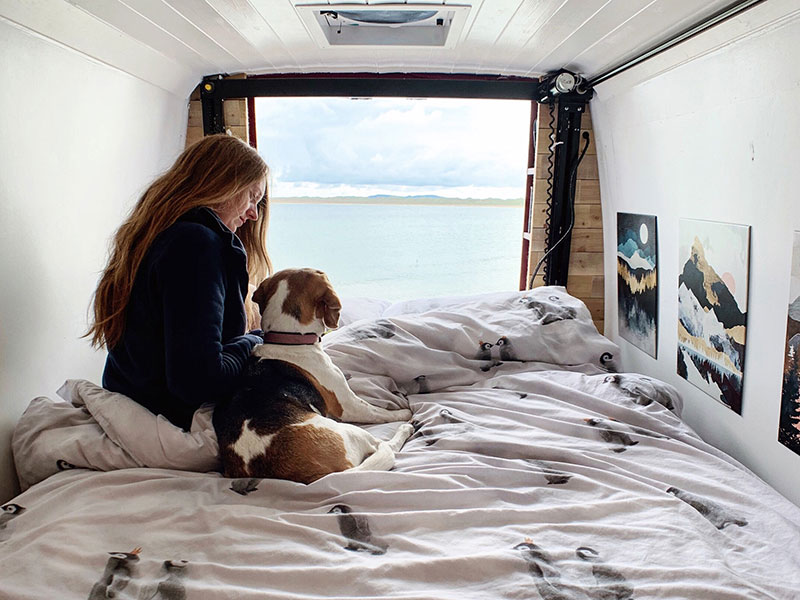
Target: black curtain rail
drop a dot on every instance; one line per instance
(727, 13)
(373, 85)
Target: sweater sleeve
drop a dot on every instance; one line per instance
(193, 282)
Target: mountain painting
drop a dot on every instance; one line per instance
(714, 260)
(637, 280)
(789, 425)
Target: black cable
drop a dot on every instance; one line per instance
(571, 208)
(548, 211)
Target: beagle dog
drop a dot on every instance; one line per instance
(286, 419)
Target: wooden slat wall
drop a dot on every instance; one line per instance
(585, 279)
(235, 117)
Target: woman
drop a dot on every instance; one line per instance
(170, 305)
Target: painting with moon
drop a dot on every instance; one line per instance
(637, 280)
(714, 262)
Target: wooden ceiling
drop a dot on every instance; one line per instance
(174, 43)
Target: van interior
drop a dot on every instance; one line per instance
(631, 426)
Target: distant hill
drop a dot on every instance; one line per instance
(411, 200)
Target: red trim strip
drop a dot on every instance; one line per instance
(529, 179)
(251, 122)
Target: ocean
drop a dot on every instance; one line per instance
(399, 252)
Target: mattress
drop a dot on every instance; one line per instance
(539, 471)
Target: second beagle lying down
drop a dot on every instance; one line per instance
(278, 424)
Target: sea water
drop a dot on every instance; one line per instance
(399, 252)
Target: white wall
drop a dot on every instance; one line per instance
(79, 141)
(711, 130)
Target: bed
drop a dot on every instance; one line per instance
(539, 471)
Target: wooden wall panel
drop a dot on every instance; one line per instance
(235, 112)
(585, 280)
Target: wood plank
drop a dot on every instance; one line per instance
(586, 263)
(585, 286)
(586, 170)
(235, 112)
(586, 240)
(195, 114)
(588, 192)
(193, 134)
(596, 306)
(239, 131)
(583, 240)
(587, 216)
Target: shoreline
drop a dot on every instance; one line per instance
(389, 201)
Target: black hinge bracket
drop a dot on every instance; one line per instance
(211, 100)
(571, 108)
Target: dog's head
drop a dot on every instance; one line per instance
(298, 301)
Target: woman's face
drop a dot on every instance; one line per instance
(243, 207)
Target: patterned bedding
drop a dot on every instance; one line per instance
(538, 472)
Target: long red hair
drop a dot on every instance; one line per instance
(209, 173)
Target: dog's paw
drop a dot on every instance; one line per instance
(407, 429)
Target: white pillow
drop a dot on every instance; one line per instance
(357, 308)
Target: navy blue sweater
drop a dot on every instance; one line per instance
(183, 343)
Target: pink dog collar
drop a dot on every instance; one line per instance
(293, 339)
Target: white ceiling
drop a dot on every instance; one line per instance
(174, 43)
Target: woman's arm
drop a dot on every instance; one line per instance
(193, 281)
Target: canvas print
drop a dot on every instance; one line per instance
(714, 265)
(637, 280)
(789, 426)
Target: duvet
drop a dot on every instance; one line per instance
(539, 471)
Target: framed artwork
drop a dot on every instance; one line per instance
(637, 280)
(789, 425)
(714, 261)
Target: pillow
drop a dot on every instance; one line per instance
(357, 308)
(102, 430)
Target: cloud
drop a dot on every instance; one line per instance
(387, 143)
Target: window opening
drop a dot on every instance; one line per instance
(397, 198)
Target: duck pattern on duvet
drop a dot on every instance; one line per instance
(545, 477)
(125, 576)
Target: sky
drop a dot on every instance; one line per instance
(325, 147)
(727, 250)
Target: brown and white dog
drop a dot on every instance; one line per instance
(285, 420)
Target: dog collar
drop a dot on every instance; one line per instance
(293, 339)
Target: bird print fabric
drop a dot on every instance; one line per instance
(244, 486)
(718, 515)
(611, 583)
(120, 569)
(10, 511)
(502, 455)
(355, 527)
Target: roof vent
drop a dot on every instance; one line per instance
(428, 25)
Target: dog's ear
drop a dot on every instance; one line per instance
(329, 306)
(263, 293)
